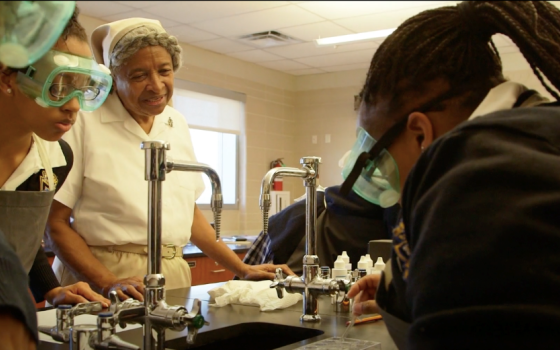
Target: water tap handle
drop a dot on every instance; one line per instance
(340, 288)
(194, 321)
(118, 305)
(279, 283)
(86, 308)
(64, 320)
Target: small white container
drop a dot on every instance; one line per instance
(339, 271)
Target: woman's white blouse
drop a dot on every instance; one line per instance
(106, 186)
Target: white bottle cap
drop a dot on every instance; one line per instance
(345, 257)
(369, 261)
(379, 264)
(349, 267)
(362, 264)
(339, 263)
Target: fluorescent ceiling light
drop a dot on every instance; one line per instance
(354, 37)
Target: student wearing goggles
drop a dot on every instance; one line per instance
(474, 161)
(34, 163)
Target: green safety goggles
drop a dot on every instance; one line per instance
(58, 77)
(378, 180)
(28, 29)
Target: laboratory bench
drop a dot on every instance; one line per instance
(246, 327)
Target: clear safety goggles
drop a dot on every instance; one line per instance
(378, 182)
(371, 171)
(28, 29)
(58, 77)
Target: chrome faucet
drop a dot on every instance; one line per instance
(216, 202)
(311, 284)
(86, 336)
(159, 315)
(154, 313)
(65, 319)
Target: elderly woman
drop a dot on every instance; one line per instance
(106, 191)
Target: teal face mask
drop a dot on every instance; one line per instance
(28, 29)
(378, 182)
(58, 77)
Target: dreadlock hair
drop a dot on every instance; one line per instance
(74, 28)
(454, 43)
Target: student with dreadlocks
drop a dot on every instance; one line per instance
(475, 261)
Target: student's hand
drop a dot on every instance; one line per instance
(76, 293)
(264, 272)
(366, 303)
(131, 287)
(14, 334)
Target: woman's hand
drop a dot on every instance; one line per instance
(366, 303)
(76, 293)
(263, 272)
(131, 287)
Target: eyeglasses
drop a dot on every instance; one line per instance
(60, 91)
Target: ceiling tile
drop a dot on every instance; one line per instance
(197, 11)
(388, 20)
(100, 9)
(305, 71)
(309, 32)
(351, 57)
(310, 49)
(507, 49)
(344, 9)
(222, 45)
(346, 67)
(142, 4)
(255, 56)
(501, 40)
(166, 23)
(284, 65)
(248, 23)
(187, 34)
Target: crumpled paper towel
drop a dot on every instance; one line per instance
(252, 293)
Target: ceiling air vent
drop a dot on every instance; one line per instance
(268, 39)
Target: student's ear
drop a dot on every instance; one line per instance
(421, 126)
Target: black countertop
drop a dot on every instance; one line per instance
(332, 323)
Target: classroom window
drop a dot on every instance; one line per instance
(215, 117)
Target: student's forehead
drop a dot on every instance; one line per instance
(74, 46)
(371, 119)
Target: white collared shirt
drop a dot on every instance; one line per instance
(32, 163)
(106, 187)
(500, 97)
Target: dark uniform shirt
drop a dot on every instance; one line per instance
(481, 210)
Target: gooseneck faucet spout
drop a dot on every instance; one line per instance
(266, 186)
(216, 202)
(310, 284)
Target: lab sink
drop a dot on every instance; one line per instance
(246, 336)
